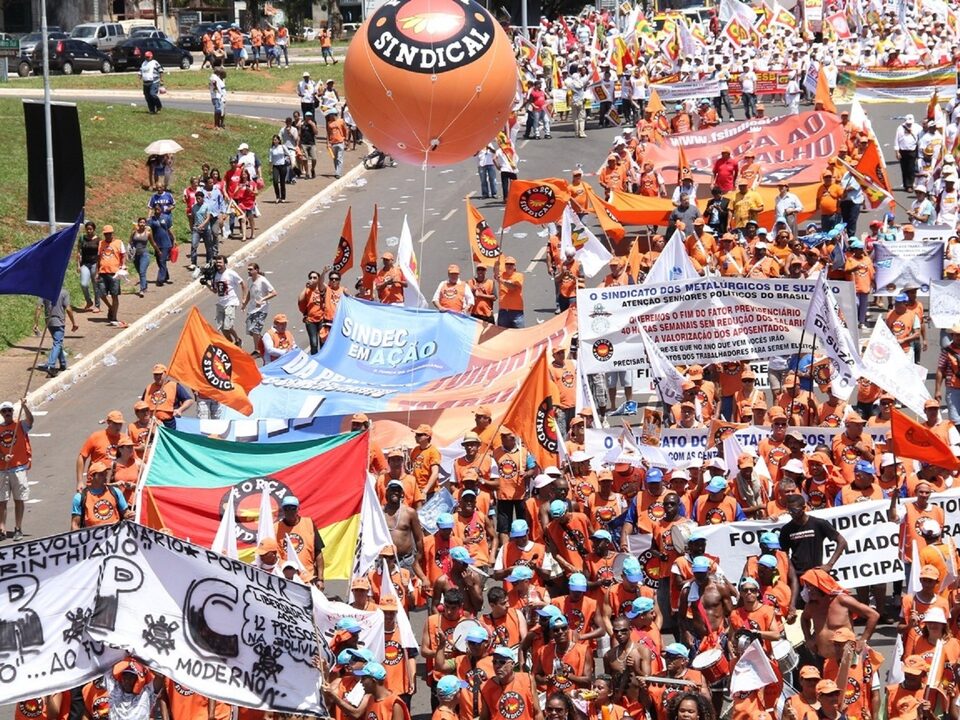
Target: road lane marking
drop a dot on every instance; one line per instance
(541, 254)
(426, 236)
(449, 215)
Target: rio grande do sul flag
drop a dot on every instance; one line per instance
(189, 478)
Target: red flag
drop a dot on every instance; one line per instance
(205, 361)
(910, 439)
(369, 260)
(344, 258)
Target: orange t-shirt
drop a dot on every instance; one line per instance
(15, 441)
(111, 256)
(482, 307)
(100, 446)
(511, 296)
(423, 461)
(861, 272)
(828, 199)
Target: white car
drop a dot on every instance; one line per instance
(309, 34)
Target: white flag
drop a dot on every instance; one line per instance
(887, 366)
(407, 638)
(732, 450)
(835, 341)
(859, 118)
(290, 551)
(225, 541)
(730, 9)
(752, 671)
(673, 263)
(374, 532)
(586, 248)
(407, 262)
(265, 529)
(585, 397)
(666, 378)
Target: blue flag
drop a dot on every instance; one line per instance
(39, 269)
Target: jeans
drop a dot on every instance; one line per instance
(89, 287)
(541, 117)
(749, 104)
(313, 333)
(162, 274)
(142, 261)
(488, 181)
(209, 244)
(510, 318)
(908, 168)
(953, 404)
(850, 213)
(862, 300)
(57, 355)
(151, 93)
(828, 222)
(505, 179)
(726, 407)
(286, 58)
(338, 151)
(723, 102)
(280, 181)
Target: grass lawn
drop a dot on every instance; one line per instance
(113, 140)
(276, 81)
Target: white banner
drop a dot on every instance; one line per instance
(937, 233)
(836, 341)
(47, 595)
(219, 626)
(945, 303)
(697, 321)
(643, 380)
(674, 92)
(886, 365)
(326, 614)
(900, 264)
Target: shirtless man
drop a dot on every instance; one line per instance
(705, 599)
(404, 524)
(829, 608)
(624, 658)
(470, 583)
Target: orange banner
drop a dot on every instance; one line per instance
(369, 260)
(532, 414)
(482, 240)
(344, 257)
(535, 201)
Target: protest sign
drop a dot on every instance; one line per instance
(440, 502)
(910, 84)
(813, 15)
(936, 233)
(49, 588)
(698, 321)
(945, 303)
(643, 378)
(902, 264)
(559, 99)
(218, 626)
(769, 82)
(677, 91)
(887, 366)
(810, 78)
(326, 614)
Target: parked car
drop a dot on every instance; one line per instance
(308, 34)
(129, 54)
(148, 32)
(66, 56)
(103, 36)
(191, 40)
(29, 42)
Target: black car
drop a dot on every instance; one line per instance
(130, 54)
(66, 56)
(192, 40)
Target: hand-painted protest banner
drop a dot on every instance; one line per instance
(896, 84)
(676, 91)
(700, 321)
(48, 591)
(871, 557)
(326, 614)
(902, 264)
(945, 303)
(792, 148)
(219, 626)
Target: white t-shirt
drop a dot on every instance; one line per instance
(227, 286)
(259, 289)
(248, 161)
(218, 88)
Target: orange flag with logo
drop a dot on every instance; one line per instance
(369, 261)
(482, 240)
(344, 257)
(720, 430)
(605, 216)
(535, 201)
(910, 439)
(532, 414)
(205, 361)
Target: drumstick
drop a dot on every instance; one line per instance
(658, 680)
(478, 571)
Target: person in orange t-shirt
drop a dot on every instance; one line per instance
(389, 282)
(828, 201)
(425, 459)
(482, 288)
(859, 269)
(111, 257)
(510, 287)
(569, 280)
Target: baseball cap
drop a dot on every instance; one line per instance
(677, 649)
(776, 413)
(388, 603)
(865, 467)
(97, 467)
(654, 475)
(423, 429)
(809, 672)
(930, 571)
(395, 452)
(360, 583)
(242, 146)
(915, 665)
(558, 508)
(470, 437)
(279, 318)
(749, 581)
(602, 535)
(901, 298)
(453, 268)
(348, 624)
(394, 483)
(477, 635)
(107, 229)
(372, 669)
(506, 652)
(827, 687)
(359, 418)
(700, 564)
(541, 481)
(559, 622)
(716, 485)
(7, 405)
(552, 471)
(445, 521)
(450, 685)
(935, 614)
(461, 554)
(696, 535)
(639, 606)
(793, 466)
(519, 528)
(387, 256)
(768, 561)
(519, 573)
(504, 430)
(888, 459)
(580, 456)
(509, 260)
(115, 416)
(770, 539)
(469, 491)
(632, 570)
(159, 368)
(549, 611)
(577, 582)
(290, 501)
(267, 545)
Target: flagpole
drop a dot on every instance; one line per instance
(47, 121)
(796, 371)
(26, 390)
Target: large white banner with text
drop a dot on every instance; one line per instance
(902, 264)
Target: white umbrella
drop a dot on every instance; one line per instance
(162, 147)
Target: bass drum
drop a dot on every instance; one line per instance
(460, 633)
(679, 534)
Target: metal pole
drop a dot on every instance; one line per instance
(523, 19)
(47, 123)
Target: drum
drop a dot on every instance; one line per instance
(679, 534)
(460, 633)
(785, 655)
(713, 664)
(616, 567)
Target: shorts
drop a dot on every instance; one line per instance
(217, 105)
(14, 482)
(623, 378)
(226, 317)
(255, 321)
(109, 284)
(310, 151)
(507, 512)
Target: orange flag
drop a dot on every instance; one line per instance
(683, 167)
(482, 240)
(654, 104)
(532, 414)
(912, 440)
(535, 201)
(205, 361)
(344, 258)
(369, 260)
(605, 216)
(720, 430)
(634, 258)
(823, 92)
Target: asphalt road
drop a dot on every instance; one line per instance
(432, 201)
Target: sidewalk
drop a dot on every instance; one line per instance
(94, 332)
(189, 95)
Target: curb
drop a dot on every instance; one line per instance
(245, 98)
(76, 373)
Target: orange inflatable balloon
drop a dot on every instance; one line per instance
(430, 80)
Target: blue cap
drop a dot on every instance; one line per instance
(655, 475)
(639, 606)
(519, 528)
(372, 669)
(559, 622)
(770, 539)
(348, 624)
(345, 657)
(768, 561)
(856, 244)
(549, 611)
(602, 535)
(701, 564)
(696, 535)
(558, 508)
(461, 554)
(445, 521)
(508, 652)
(632, 570)
(362, 654)
(520, 572)
(902, 297)
(477, 635)
(716, 485)
(577, 582)
(863, 466)
(290, 501)
(450, 685)
(677, 649)
(749, 581)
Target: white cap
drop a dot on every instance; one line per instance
(681, 473)
(793, 466)
(243, 146)
(552, 471)
(716, 463)
(935, 614)
(888, 459)
(930, 525)
(541, 481)
(6, 405)
(580, 456)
